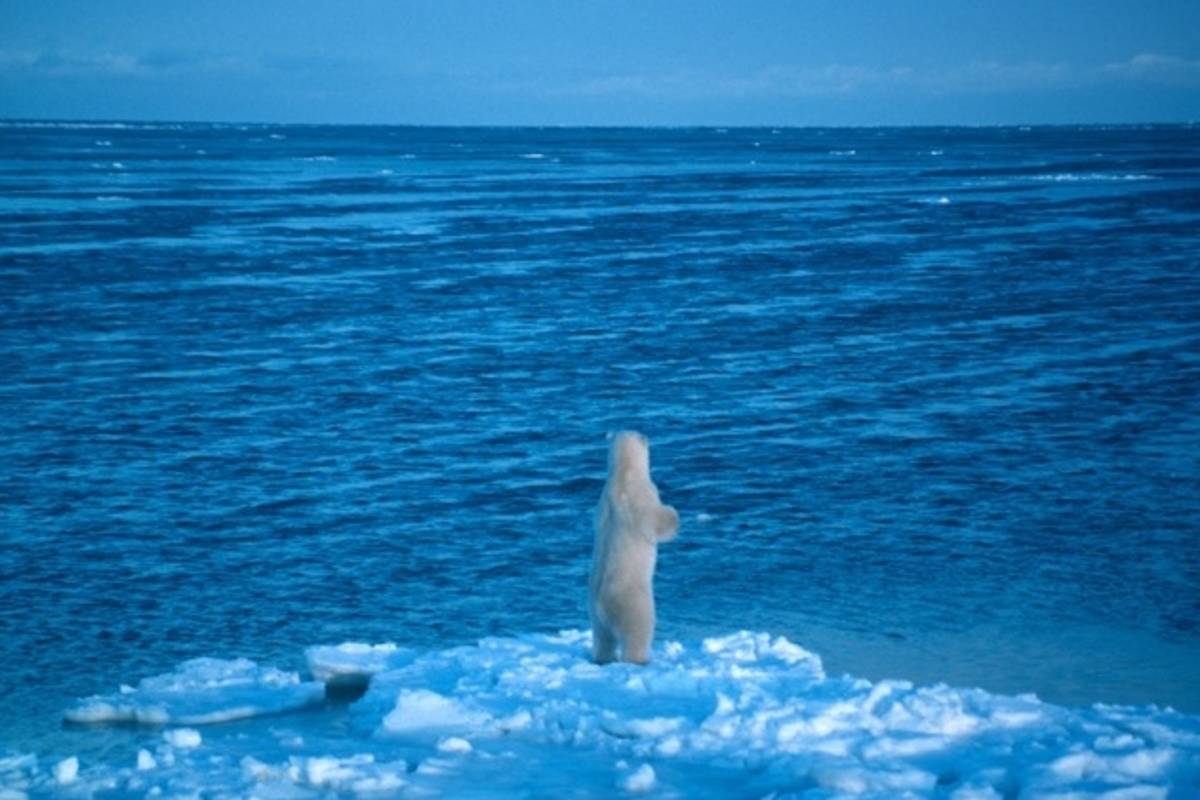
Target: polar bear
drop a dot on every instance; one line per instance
(630, 522)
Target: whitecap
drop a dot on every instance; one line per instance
(1073, 177)
(83, 126)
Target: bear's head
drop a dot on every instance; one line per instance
(629, 456)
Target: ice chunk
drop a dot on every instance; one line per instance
(454, 744)
(67, 770)
(329, 771)
(642, 780)
(358, 774)
(145, 761)
(183, 738)
(421, 709)
(16, 772)
(201, 691)
(347, 668)
(748, 647)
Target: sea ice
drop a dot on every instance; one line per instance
(67, 770)
(201, 691)
(740, 715)
(454, 744)
(421, 709)
(183, 738)
(353, 663)
(642, 780)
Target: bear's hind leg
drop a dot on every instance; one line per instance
(636, 649)
(604, 644)
(637, 631)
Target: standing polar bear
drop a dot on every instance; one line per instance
(630, 522)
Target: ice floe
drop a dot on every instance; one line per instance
(202, 691)
(745, 715)
(353, 662)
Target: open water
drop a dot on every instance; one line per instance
(928, 400)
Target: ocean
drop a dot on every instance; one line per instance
(927, 399)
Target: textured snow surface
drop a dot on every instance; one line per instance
(745, 715)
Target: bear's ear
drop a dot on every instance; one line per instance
(666, 523)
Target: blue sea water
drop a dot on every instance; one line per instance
(928, 400)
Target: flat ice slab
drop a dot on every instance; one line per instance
(745, 715)
(352, 663)
(200, 692)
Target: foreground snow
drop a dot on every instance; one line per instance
(739, 716)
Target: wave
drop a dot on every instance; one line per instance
(1069, 177)
(85, 126)
(532, 715)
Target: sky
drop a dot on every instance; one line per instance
(624, 62)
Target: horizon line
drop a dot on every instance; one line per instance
(34, 122)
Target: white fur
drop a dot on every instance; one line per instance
(630, 522)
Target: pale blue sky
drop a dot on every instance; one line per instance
(652, 62)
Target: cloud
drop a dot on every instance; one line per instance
(990, 76)
(832, 80)
(701, 84)
(165, 63)
(1156, 68)
(783, 80)
(57, 64)
(802, 81)
(316, 62)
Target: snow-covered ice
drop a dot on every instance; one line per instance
(351, 664)
(746, 715)
(642, 780)
(67, 770)
(202, 691)
(183, 738)
(145, 761)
